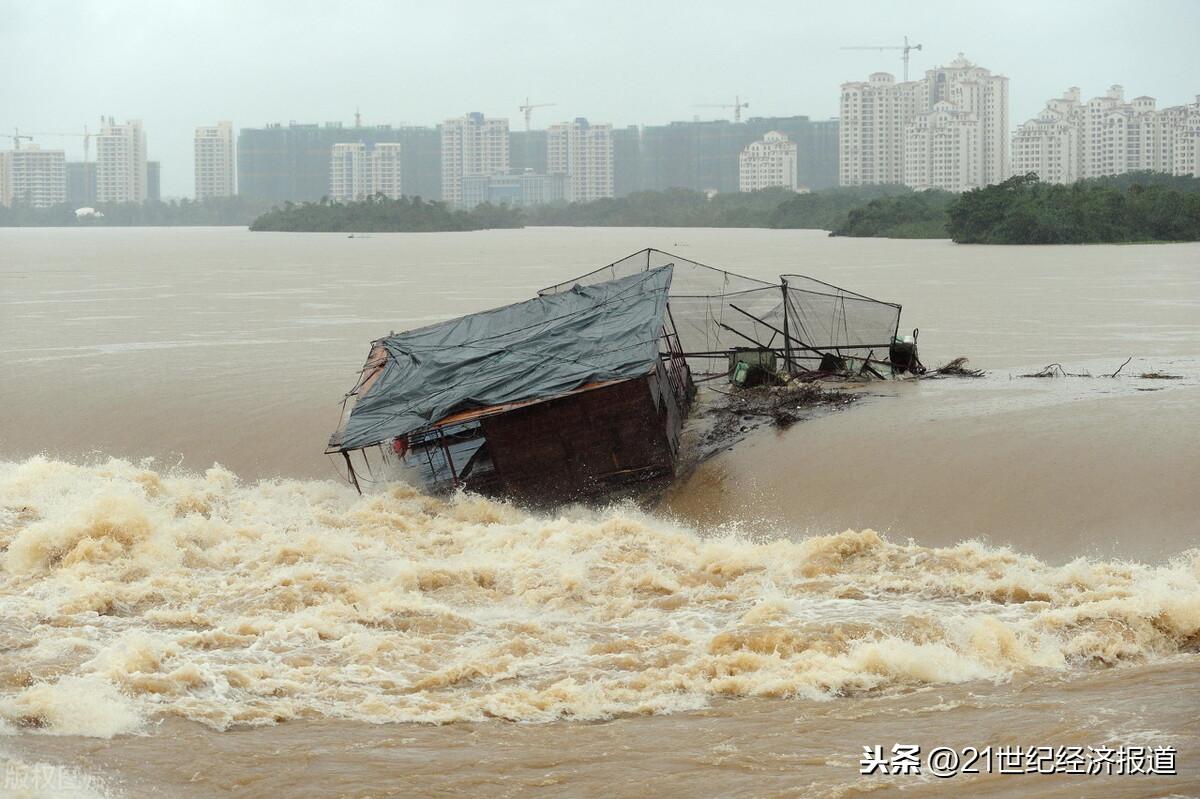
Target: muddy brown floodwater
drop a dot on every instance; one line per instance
(192, 605)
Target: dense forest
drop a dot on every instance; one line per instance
(917, 215)
(382, 214)
(1136, 206)
(670, 208)
(775, 208)
(1127, 208)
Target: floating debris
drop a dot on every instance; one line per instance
(1054, 370)
(955, 368)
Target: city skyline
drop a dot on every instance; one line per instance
(186, 65)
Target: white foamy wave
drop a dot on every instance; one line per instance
(127, 594)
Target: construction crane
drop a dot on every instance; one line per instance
(737, 107)
(527, 109)
(906, 47)
(16, 137)
(86, 136)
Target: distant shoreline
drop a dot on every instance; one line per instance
(1134, 208)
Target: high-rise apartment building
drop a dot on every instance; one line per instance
(769, 162)
(1049, 143)
(948, 130)
(584, 153)
(1070, 140)
(154, 181)
(387, 169)
(5, 181)
(472, 145)
(357, 172)
(215, 161)
(527, 151)
(121, 172)
(1184, 123)
(281, 163)
(81, 183)
(349, 172)
(32, 176)
(874, 114)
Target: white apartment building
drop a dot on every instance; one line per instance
(1049, 143)
(1185, 138)
(356, 172)
(583, 152)
(215, 161)
(948, 130)
(772, 161)
(386, 171)
(1070, 140)
(121, 163)
(33, 176)
(472, 145)
(942, 150)
(873, 117)
(349, 172)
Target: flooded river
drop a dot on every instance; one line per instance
(191, 603)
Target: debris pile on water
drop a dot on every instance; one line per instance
(731, 415)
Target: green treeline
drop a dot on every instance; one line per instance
(1136, 206)
(213, 211)
(1023, 210)
(382, 214)
(775, 208)
(670, 208)
(917, 215)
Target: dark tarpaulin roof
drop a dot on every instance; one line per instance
(535, 349)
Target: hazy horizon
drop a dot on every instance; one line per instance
(187, 64)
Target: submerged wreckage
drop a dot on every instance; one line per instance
(583, 390)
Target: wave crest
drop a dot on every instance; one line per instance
(248, 604)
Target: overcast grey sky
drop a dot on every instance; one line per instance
(180, 63)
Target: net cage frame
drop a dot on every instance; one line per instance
(710, 313)
(437, 450)
(800, 318)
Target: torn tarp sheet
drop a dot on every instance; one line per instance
(532, 350)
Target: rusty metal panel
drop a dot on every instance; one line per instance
(582, 444)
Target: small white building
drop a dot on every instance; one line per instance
(772, 161)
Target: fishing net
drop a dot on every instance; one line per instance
(715, 310)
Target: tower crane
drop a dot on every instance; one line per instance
(16, 137)
(527, 109)
(86, 136)
(906, 47)
(737, 107)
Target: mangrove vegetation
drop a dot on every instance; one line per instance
(382, 214)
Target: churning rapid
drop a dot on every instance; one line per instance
(129, 593)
